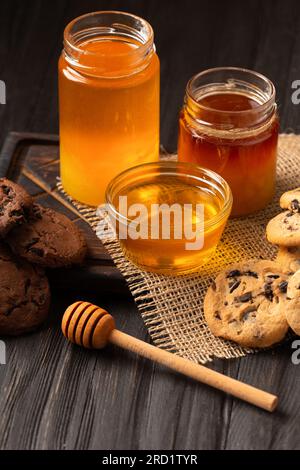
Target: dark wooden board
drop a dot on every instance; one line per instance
(32, 160)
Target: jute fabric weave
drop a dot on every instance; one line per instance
(172, 307)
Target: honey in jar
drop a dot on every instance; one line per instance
(229, 124)
(108, 101)
(163, 186)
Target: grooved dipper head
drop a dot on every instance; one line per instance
(87, 325)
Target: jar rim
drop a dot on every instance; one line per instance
(270, 100)
(141, 45)
(188, 170)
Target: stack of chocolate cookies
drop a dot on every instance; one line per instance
(284, 230)
(32, 238)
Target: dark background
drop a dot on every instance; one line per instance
(190, 36)
(53, 396)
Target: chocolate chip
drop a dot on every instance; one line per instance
(247, 297)
(237, 273)
(283, 286)
(268, 292)
(16, 213)
(37, 251)
(6, 190)
(247, 311)
(217, 315)
(233, 285)
(5, 202)
(273, 276)
(234, 273)
(32, 242)
(251, 273)
(225, 303)
(295, 206)
(36, 212)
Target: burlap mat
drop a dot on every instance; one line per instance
(171, 307)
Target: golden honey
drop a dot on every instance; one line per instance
(109, 101)
(166, 184)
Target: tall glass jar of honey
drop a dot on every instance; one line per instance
(229, 124)
(108, 101)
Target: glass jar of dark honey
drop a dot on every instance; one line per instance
(229, 124)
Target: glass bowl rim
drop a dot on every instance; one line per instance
(211, 175)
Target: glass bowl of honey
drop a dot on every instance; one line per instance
(168, 216)
(229, 124)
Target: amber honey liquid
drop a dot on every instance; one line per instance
(108, 122)
(170, 256)
(248, 164)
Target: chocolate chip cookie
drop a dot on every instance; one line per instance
(284, 229)
(14, 205)
(289, 258)
(24, 294)
(48, 239)
(291, 200)
(292, 310)
(246, 302)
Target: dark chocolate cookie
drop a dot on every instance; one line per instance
(24, 294)
(14, 205)
(48, 239)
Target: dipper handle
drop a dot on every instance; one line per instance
(92, 327)
(198, 372)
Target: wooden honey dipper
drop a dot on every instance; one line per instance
(92, 327)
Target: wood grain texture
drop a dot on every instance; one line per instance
(55, 396)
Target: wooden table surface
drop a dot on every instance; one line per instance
(55, 396)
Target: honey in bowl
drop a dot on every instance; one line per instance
(230, 125)
(157, 188)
